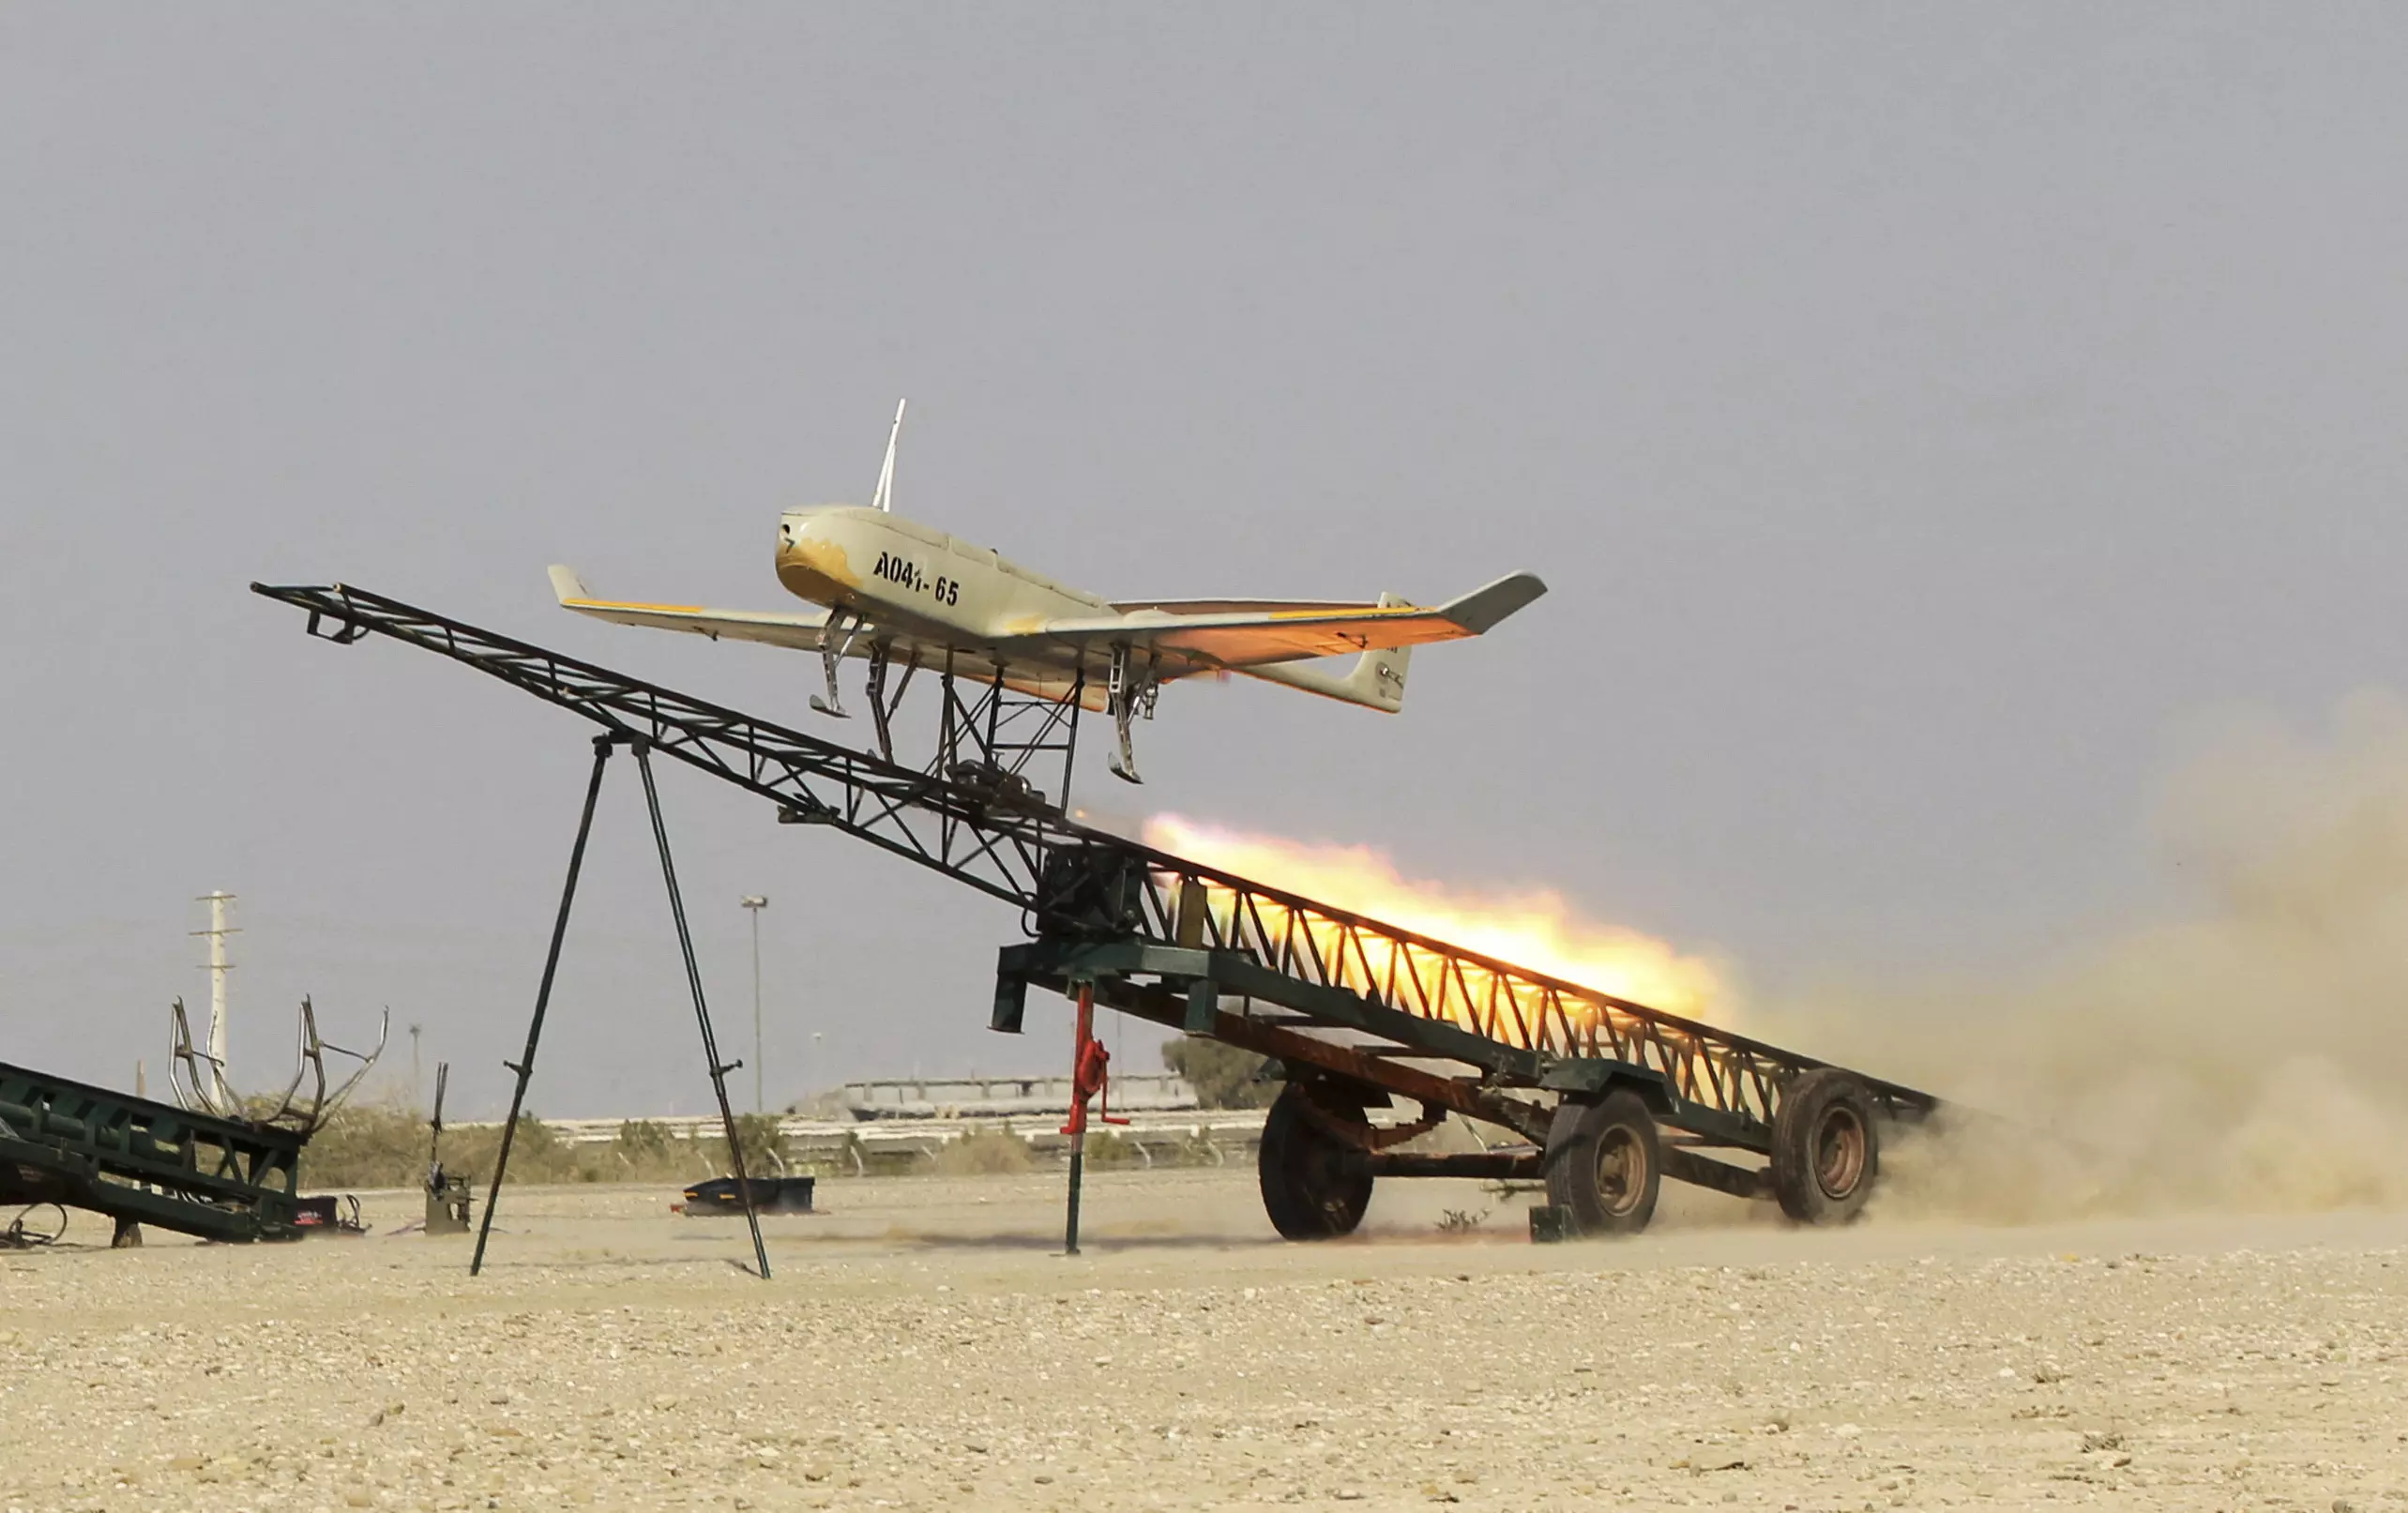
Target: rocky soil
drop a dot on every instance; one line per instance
(923, 1346)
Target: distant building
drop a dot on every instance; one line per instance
(1004, 1098)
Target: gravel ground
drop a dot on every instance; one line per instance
(921, 1346)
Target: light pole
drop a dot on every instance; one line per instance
(754, 905)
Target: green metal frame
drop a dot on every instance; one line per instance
(142, 1162)
(1230, 996)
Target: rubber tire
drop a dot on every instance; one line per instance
(1580, 1136)
(1815, 1182)
(1316, 1186)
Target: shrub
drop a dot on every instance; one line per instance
(762, 1142)
(1221, 1074)
(537, 1153)
(643, 1148)
(367, 1145)
(983, 1152)
(1110, 1147)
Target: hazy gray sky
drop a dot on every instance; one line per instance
(1927, 418)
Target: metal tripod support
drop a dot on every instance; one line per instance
(524, 1065)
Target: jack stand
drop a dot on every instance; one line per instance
(1090, 1064)
(524, 1065)
(446, 1192)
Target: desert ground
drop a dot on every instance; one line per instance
(923, 1344)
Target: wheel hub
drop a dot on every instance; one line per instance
(1621, 1172)
(1839, 1152)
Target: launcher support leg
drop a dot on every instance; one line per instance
(1072, 707)
(1078, 1170)
(1087, 1062)
(525, 1064)
(701, 1011)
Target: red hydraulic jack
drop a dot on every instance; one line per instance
(1089, 1067)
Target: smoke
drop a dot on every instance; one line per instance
(2250, 1053)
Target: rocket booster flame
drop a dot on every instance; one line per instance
(1533, 927)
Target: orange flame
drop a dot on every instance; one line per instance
(1530, 928)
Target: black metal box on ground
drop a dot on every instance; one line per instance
(448, 1202)
(1549, 1225)
(770, 1195)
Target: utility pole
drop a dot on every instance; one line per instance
(754, 905)
(415, 1104)
(218, 967)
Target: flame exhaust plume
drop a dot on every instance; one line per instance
(1530, 928)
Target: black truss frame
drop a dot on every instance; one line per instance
(1007, 732)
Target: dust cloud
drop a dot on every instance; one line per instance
(2248, 1054)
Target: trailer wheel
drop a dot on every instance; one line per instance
(1604, 1163)
(1827, 1152)
(1315, 1185)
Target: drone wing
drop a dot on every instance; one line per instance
(801, 630)
(1240, 633)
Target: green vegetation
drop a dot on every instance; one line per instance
(1221, 1074)
(384, 1144)
(982, 1153)
(644, 1145)
(762, 1141)
(367, 1145)
(1109, 1148)
(537, 1155)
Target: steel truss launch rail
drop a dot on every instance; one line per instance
(1227, 956)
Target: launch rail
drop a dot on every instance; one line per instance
(1602, 1097)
